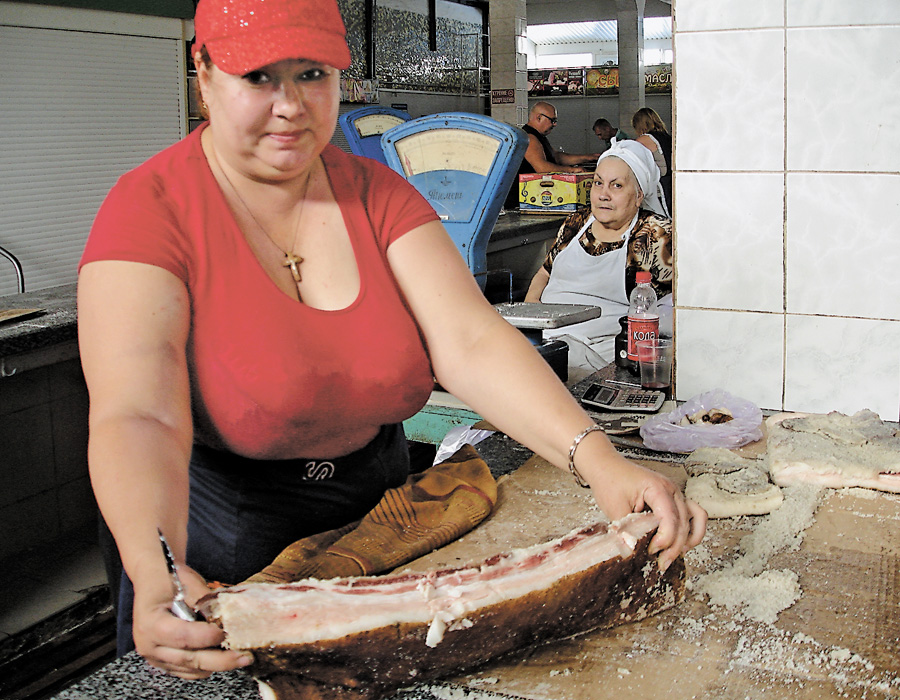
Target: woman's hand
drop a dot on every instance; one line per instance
(621, 487)
(189, 650)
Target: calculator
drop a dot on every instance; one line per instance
(622, 397)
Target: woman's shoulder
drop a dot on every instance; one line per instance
(337, 158)
(651, 220)
(177, 163)
(652, 227)
(359, 172)
(364, 187)
(649, 140)
(148, 216)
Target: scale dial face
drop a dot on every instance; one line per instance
(376, 124)
(447, 149)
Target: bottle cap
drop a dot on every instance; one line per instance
(643, 276)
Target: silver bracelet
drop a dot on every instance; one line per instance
(577, 441)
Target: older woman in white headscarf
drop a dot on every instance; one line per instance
(626, 230)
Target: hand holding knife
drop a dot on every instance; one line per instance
(180, 607)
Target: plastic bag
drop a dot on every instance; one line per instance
(663, 434)
(456, 438)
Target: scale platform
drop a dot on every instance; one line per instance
(538, 316)
(534, 318)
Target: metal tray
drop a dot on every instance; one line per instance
(526, 315)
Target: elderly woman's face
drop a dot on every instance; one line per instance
(273, 122)
(615, 193)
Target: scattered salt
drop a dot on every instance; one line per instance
(745, 585)
(868, 494)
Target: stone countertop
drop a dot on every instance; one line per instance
(55, 325)
(132, 677)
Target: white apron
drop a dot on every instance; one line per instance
(598, 280)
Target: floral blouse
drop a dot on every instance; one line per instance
(649, 247)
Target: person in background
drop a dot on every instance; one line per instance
(599, 250)
(652, 133)
(540, 156)
(606, 132)
(259, 312)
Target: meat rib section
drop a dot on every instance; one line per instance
(361, 638)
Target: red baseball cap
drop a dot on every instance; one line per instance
(241, 36)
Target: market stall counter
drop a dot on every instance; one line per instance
(517, 248)
(800, 603)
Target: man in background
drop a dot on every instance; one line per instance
(607, 132)
(540, 156)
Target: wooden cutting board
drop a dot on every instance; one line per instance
(18, 314)
(838, 640)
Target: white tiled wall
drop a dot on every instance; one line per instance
(787, 202)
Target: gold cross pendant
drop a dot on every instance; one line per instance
(293, 261)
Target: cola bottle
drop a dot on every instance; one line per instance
(643, 315)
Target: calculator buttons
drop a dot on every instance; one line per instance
(620, 398)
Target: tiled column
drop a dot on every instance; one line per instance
(631, 59)
(787, 192)
(508, 66)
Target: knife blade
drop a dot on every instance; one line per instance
(180, 607)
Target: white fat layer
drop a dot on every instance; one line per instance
(436, 629)
(718, 502)
(833, 450)
(265, 614)
(265, 691)
(791, 474)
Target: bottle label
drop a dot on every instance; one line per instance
(641, 329)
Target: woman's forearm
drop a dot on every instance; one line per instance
(537, 286)
(139, 474)
(133, 329)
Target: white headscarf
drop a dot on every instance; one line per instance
(639, 158)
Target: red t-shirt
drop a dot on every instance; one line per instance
(269, 374)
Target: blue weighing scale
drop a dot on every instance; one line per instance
(363, 128)
(464, 165)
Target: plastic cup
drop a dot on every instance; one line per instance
(655, 360)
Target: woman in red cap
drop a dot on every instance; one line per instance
(259, 311)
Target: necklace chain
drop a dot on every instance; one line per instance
(291, 259)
